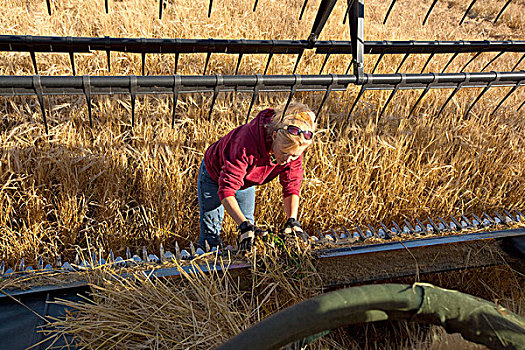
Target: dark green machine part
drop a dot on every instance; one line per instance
(477, 320)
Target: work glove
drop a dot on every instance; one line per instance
(292, 226)
(246, 236)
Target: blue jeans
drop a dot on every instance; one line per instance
(212, 211)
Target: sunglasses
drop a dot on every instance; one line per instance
(294, 130)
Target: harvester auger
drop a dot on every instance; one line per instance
(366, 252)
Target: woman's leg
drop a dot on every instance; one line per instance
(246, 200)
(210, 209)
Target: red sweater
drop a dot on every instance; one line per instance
(240, 160)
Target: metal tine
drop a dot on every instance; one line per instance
(268, 63)
(192, 249)
(360, 232)
(209, 9)
(520, 217)
(297, 62)
(428, 61)
(206, 63)
(329, 89)
(503, 221)
(133, 95)
(381, 55)
(143, 61)
(398, 229)
(48, 3)
(33, 59)
(176, 85)
(258, 83)
(326, 57)
(72, 60)
(408, 226)
(161, 2)
(336, 236)
(108, 54)
(444, 223)
(350, 235)
(466, 12)
(468, 224)
(396, 88)
(478, 220)
(176, 62)
(388, 11)
(388, 233)
(2, 268)
(521, 106)
(429, 11)
(40, 265)
(59, 261)
(218, 83)
(423, 227)
(485, 89)
(111, 256)
(371, 228)
(94, 261)
(402, 61)
(128, 253)
(255, 5)
(517, 63)
(489, 219)
(21, 266)
(502, 10)
(456, 223)
(427, 89)
(37, 86)
(470, 61)
(434, 226)
(467, 78)
(86, 86)
(161, 253)
(144, 254)
(509, 215)
(238, 63)
(506, 96)
(107, 6)
(177, 251)
(77, 260)
(492, 60)
(302, 9)
(347, 13)
(206, 246)
(292, 92)
(361, 92)
(450, 61)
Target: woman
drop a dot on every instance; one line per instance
(270, 145)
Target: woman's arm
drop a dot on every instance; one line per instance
(232, 207)
(291, 206)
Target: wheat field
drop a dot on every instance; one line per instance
(114, 187)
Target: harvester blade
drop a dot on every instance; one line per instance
(388, 233)
(86, 86)
(361, 92)
(429, 11)
(377, 62)
(206, 246)
(466, 12)
(502, 10)
(326, 57)
(492, 60)
(37, 86)
(427, 61)
(408, 227)
(302, 9)
(423, 229)
(72, 60)
(470, 61)
(175, 98)
(398, 230)
(443, 223)
(455, 225)
(449, 62)
(402, 61)
(388, 11)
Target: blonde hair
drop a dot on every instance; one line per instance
(297, 114)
